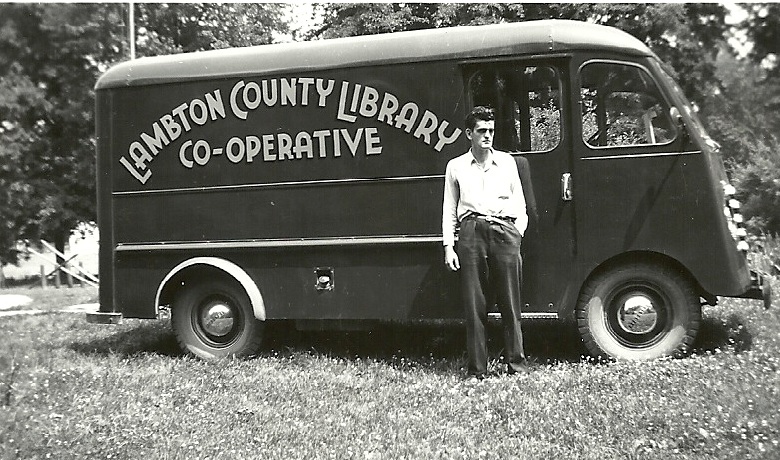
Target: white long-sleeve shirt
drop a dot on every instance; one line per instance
(493, 190)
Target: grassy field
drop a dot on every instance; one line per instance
(69, 389)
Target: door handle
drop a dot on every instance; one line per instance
(566, 187)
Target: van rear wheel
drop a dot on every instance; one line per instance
(638, 311)
(214, 319)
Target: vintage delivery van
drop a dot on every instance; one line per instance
(304, 182)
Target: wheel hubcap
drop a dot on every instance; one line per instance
(217, 318)
(637, 314)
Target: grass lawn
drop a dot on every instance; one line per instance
(69, 389)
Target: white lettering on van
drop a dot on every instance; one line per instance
(289, 91)
(215, 105)
(280, 146)
(186, 162)
(352, 143)
(303, 145)
(172, 128)
(157, 142)
(268, 145)
(142, 178)
(270, 92)
(407, 117)
(355, 101)
(426, 127)
(386, 108)
(139, 155)
(240, 114)
(252, 148)
(248, 96)
(285, 146)
(444, 139)
(343, 103)
(251, 95)
(389, 107)
(321, 136)
(198, 112)
(373, 142)
(368, 103)
(235, 150)
(305, 84)
(168, 128)
(179, 112)
(324, 91)
(200, 153)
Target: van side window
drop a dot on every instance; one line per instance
(622, 106)
(527, 101)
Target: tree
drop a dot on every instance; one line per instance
(687, 36)
(744, 117)
(51, 55)
(187, 27)
(762, 26)
(739, 100)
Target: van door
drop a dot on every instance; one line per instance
(633, 173)
(530, 123)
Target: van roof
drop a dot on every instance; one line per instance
(465, 42)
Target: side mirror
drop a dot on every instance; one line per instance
(676, 116)
(679, 123)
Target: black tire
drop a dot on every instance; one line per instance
(214, 319)
(638, 311)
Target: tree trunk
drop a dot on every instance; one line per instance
(60, 240)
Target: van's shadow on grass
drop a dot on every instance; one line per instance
(723, 334)
(545, 342)
(152, 337)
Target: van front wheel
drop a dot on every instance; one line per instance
(638, 311)
(214, 319)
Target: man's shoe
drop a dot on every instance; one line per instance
(518, 369)
(475, 378)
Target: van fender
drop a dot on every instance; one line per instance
(231, 269)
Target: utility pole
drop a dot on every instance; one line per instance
(131, 28)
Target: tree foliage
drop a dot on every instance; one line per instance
(744, 116)
(739, 99)
(762, 26)
(687, 36)
(187, 27)
(51, 55)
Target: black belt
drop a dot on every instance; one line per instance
(476, 215)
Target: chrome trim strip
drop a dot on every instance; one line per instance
(265, 244)
(309, 183)
(528, 315)
(641, 155)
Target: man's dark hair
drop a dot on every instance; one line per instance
(480, 113)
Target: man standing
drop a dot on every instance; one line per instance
(484, 196)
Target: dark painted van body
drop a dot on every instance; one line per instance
(310, 176)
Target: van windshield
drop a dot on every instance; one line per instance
(686, 106)
(694, 123)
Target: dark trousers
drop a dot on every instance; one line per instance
(490, 266)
